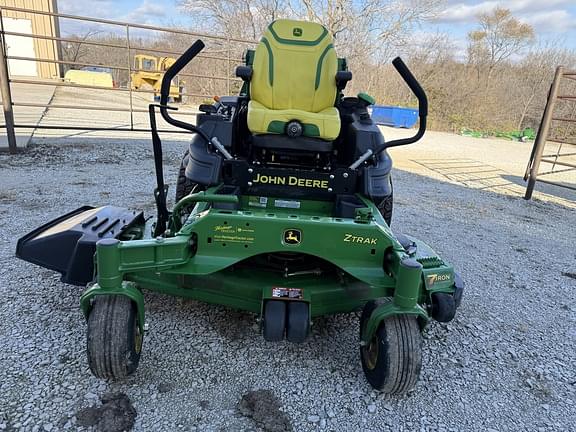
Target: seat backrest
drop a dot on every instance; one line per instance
(295, 67)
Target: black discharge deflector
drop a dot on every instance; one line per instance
(68, 243)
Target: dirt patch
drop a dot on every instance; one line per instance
(116, 414)
(264, 408)
(7, 197)
(34, 156)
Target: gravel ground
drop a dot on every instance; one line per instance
(506, 363)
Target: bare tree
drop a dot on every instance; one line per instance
(500, 37)
(500, 89)
(243, 19)
(76, 51)
(533, 77)
(361, 28)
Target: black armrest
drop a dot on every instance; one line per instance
(244, 72)
(342, 78)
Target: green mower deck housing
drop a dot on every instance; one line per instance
(214, 258)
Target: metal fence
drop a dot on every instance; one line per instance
(558, 127)
(131, 39)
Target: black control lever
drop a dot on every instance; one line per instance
(169, 75)
(422, 103)
(161, 189)
(418, 91)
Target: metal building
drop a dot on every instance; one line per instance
(22, 46)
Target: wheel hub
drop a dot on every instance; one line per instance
(137, 338)
(370, 353)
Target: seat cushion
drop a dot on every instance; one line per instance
(324, 124)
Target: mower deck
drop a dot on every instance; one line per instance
(243, 257)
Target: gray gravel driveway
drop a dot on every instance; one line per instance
(506, 363)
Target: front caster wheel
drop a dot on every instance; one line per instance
(393, 358)
(443, 307)
(298, 322)
(274, 320)
(114, 339)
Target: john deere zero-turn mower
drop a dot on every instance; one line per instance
(283, 209)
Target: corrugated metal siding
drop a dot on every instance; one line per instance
(42, 25)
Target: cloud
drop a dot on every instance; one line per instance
(553, 21)
(462, 12)
(147, 13)
(92, 8)
(466, 12)
(104, 9)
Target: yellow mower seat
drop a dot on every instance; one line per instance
(294, 78)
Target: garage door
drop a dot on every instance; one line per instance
(20, 46)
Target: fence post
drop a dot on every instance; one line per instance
(228, 68)
(5, 91)
(129, 77)
(542, 136)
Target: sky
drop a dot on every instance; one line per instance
(553, 20)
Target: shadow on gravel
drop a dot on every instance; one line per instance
(78, 154)
(479, 175)
(116, 414)
(264, 408)
(86, 153)
(564, 189)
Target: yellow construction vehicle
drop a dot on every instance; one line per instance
(149, 70)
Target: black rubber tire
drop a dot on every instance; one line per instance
(459, 293)
(396, 366)
(443, 307)
(114, 342)
(386, 206)
(298, 321)
(184, 185)
(274, 320)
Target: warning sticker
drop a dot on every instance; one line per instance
(287, 293)
(258, 202)
(287, 204)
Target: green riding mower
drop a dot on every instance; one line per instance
(283, 209)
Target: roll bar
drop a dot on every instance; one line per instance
(418, 91)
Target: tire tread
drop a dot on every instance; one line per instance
(184, 185)
(110, 337)
(401, 344)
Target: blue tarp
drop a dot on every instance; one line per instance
(394, 116)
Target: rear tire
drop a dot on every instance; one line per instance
(386, 206)
(393, 358)
(114, 340)
(184, 185)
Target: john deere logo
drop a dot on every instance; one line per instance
(297, 31)
(292, 237)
